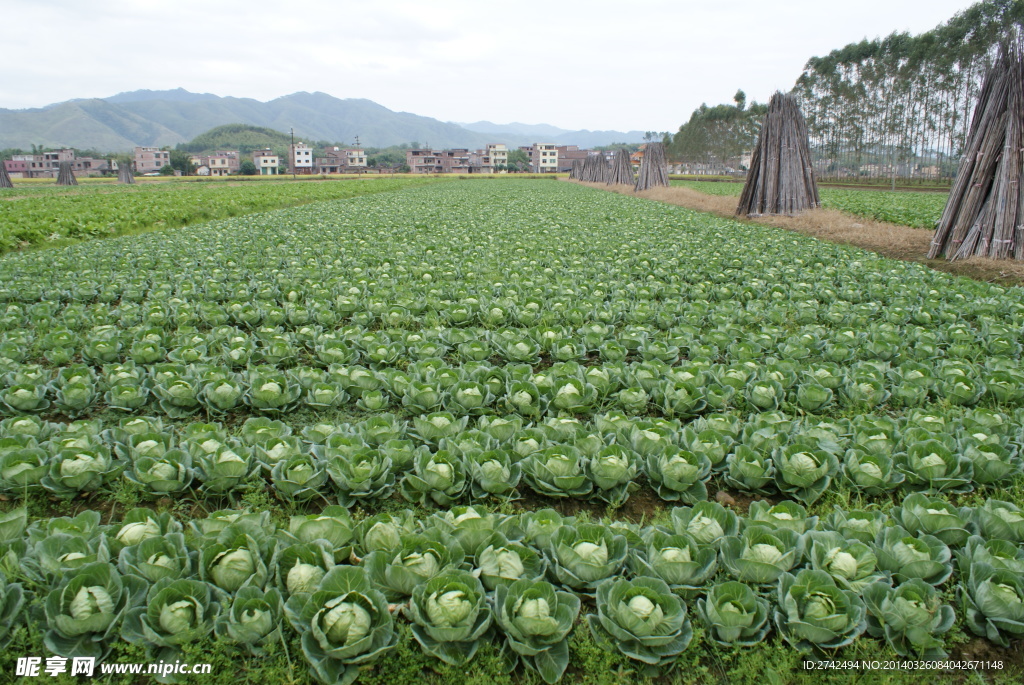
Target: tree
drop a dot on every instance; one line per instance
(181, 161)
(386, 159)
(901, 105)
(167, 170)
(247, 168)
(518, 160)
(719, 133)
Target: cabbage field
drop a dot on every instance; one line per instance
(508, 432)
(33, 214)
(918, 209)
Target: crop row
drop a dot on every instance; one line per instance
(463, 576)
(438, 459)
(181, 390)
(906, 208)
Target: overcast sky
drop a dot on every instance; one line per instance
(577, 64)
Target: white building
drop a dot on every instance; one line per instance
(301, 158)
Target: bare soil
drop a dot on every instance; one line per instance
(889, 240)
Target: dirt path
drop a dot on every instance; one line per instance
(889, 240)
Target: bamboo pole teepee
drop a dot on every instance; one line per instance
(595, 169)
(621, 172)
(781, 178)
(65, 176)
(5, 178)
(576, 173)
(653, 168)
(124, 173)
(984, 215)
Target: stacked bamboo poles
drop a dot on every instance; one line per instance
(595, 169)
(653, 168)
(576, 173)
(983, 215)
(5, 178)
(124, 174)
(65, 176)
(621, 172)
(781, 178)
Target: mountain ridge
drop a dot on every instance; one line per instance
(153, 118)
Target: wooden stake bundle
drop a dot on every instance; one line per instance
(576, 173)
(124, 174)
(65, 176)
(780, 179)
(984, 215)
(621, 172)
(595, 169)
(653, 168)
(5, 178)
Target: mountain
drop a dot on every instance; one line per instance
(169, 117)
(175, 95)
(535, 131)
(545, 133)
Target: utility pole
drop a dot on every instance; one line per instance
(292, 151)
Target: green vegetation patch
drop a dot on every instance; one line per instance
(31, 216)
(906, 208)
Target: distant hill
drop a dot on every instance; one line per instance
(537, 131)
(241, 137)
(545, 133)
(169, 117)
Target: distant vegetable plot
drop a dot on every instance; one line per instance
(33, 215)
(907, 208)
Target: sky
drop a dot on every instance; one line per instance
(576, 64)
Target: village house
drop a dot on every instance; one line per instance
(300, 158)
(151, 159)
(47, 164)
(341, 161)
(439, 161)
(543, 157)
(267, 162)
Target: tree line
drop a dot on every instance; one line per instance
(896, 106)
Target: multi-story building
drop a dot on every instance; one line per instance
(18, 166)
(53, 158)
(458, 161)
(267, 162)
(47, 164)
(150, 159)
(356, 158)
(220, 163)
(438, 161)
(498, 154)
(300, 158)
(567, 154)
(341, 161)
(223, 163)
(218, 166)
(543, 157)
